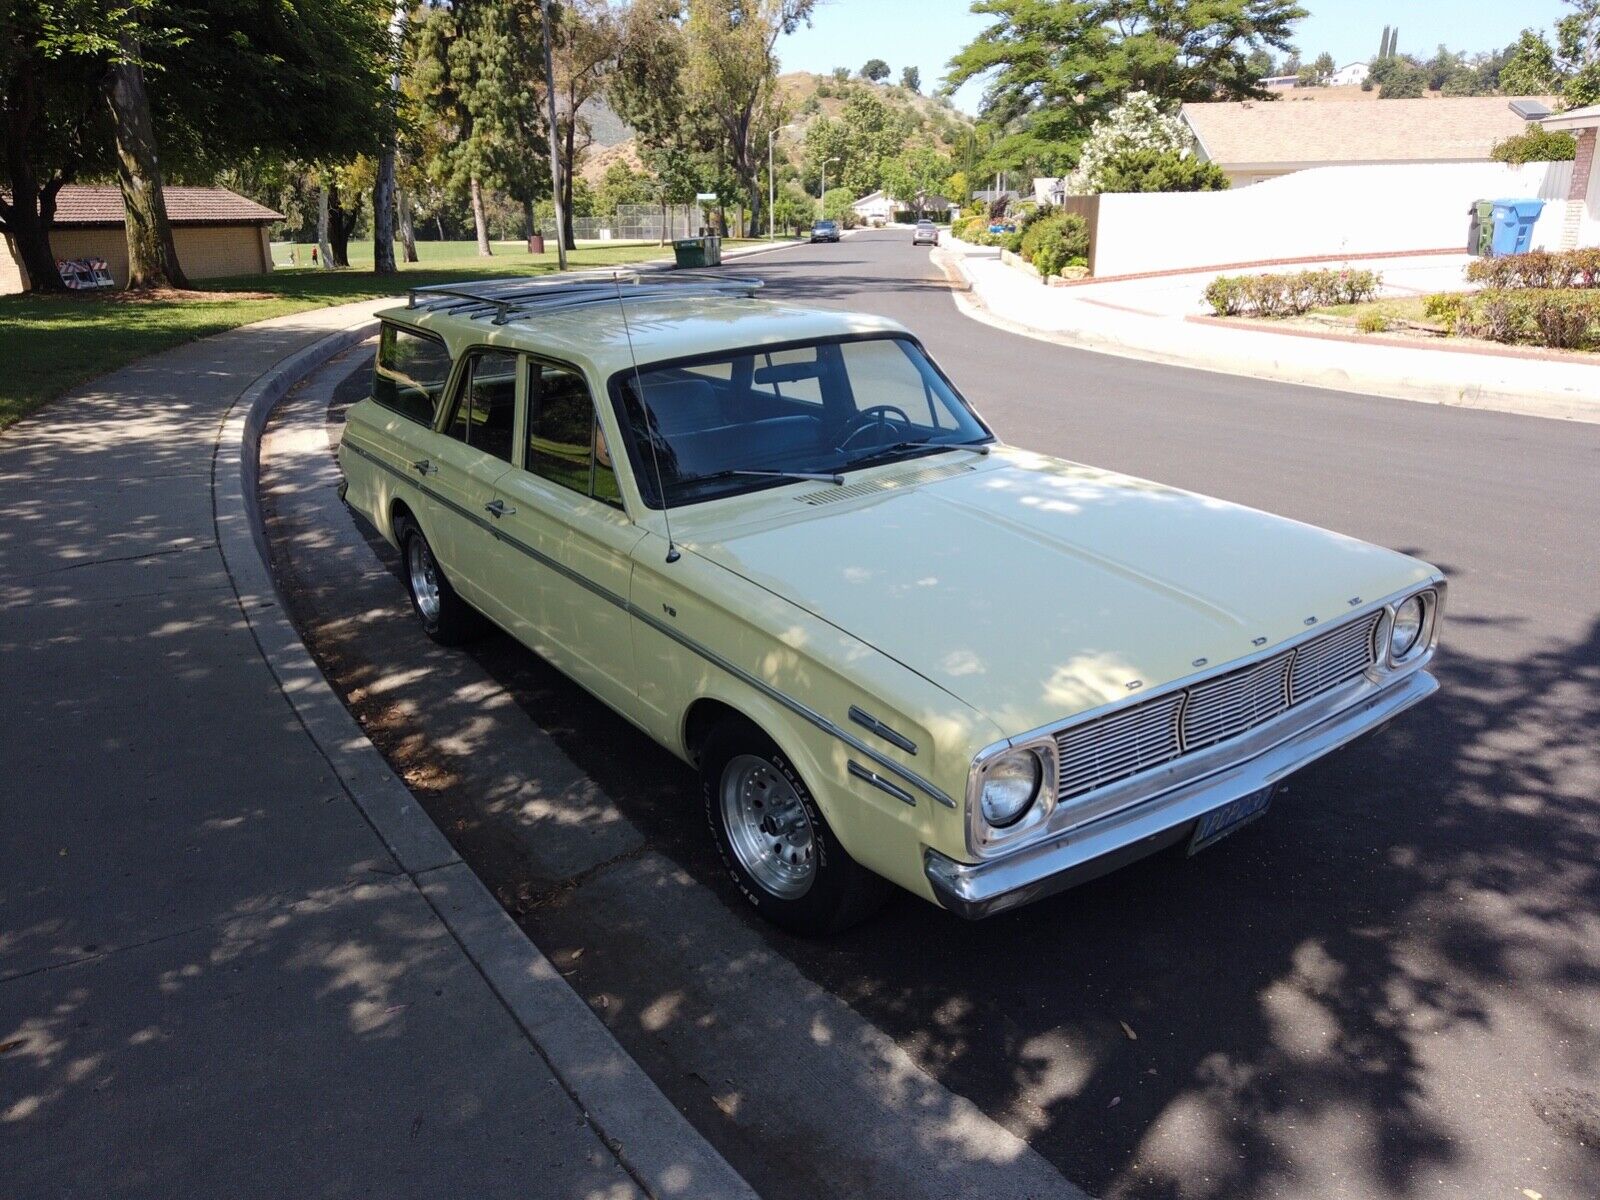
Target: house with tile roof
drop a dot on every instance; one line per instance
(217, 233)
(1252, 140)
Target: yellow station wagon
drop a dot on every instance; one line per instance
(778, 541)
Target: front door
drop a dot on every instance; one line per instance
(473, 452)
(563, 578)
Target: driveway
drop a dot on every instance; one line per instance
(1389, 989)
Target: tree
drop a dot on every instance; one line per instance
(1578, 40)
(1530, 67)
(473, 79)
(152, 253)
(1260, 63)
(875, 70)
(1324, 66)
(914, 175)
(911, 79)
(1443, 65)
(1397, 78)
(587, 38)
(731, 72)
(621, 184)
(53, 129)
(1055, 67)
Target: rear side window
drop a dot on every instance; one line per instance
(410, 373)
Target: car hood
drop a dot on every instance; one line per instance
(1035, 589)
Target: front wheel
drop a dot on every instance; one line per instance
(774, 841)
(445, 616)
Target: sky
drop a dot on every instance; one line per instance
(927, 33)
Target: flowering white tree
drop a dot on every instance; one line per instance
(1136, 124)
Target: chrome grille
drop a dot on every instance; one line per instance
(1332, 658)
(1145, 735)
(1117, 746)
(1221, 708)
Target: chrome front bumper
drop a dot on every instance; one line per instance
(980, 889)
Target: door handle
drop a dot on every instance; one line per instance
(497, 508)
(423, 467)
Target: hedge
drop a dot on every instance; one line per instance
(1560, 318)
(1539, 269)
(1287, 295)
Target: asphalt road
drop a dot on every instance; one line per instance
(1391, 987)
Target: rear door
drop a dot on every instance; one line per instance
(473, 451)
(564, 576)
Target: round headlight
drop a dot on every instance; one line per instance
(1407, 628)
(1010, 786)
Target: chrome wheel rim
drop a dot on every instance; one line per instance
(424, 578)
(768, 826)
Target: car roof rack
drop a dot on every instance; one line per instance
(503, 300)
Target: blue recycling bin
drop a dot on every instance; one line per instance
(1513, 222)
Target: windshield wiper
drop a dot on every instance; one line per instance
(810, 476)
(893, 448)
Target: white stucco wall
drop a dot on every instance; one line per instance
(1324, 212)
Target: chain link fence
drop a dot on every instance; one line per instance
(635, 223)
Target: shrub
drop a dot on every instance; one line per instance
(1539, 269)
(1055, 241)
(1282, 295)
(1536, 144)
(1225, 295)
(1446, 308)
(1372, 322)
(1564, 319)
(1150, 170)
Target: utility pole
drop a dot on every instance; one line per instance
(555, 158)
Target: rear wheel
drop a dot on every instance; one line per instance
(774, 841)
(445, 616)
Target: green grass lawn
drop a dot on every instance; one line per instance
(50, 344)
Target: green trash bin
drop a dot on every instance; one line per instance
(690, 252)
(1480, 228)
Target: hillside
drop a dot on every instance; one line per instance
(806, 97)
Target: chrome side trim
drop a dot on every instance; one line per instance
(1052, 864)
(794, 706)
(889, 734)
(715, 659)
(879, 782)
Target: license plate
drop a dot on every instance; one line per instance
(1230, 818)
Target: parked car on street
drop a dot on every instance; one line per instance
(825, 231)
(779, 541)
(926, 233)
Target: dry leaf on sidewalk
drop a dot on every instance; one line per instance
(1128, 1029)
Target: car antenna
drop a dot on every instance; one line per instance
(638, 385)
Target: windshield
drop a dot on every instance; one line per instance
(823, 225)
(819, 408)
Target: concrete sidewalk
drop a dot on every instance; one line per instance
(1153, 318)
(222, 973)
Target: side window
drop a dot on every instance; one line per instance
(565, 441)
(487, 405)
(409, 373)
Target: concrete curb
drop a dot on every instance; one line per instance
(1531, 403)
(652, 1140)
